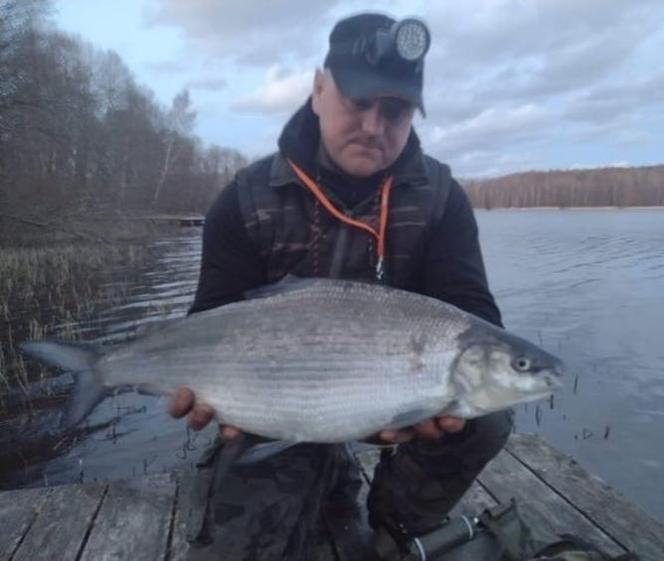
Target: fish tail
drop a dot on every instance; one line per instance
(80, 360)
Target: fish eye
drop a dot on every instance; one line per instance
(522, 364)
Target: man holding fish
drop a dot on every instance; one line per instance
(349, 195)
(384, 330)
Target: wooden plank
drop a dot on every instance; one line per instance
(70, 508)
(474, 502)
(134, 521)
(546, 512)
(623, 521)
(18, 510)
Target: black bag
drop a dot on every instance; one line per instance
(498, 534)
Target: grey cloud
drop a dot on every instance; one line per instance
(168, 66)
(583, 63)
(609, 102)
(282, 92)
(251, 32)
(489, 130)
(210, 83)
(539, 48)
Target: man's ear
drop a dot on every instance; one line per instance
(319, 84)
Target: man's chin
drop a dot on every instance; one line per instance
(361, 167)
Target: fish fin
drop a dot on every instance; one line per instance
(287, 284)
(72, 357)
(80, 360)
(260, 452)
(359, 446)
(458, 408)
(88, 392)
(408, 418)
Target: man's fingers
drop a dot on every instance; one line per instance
(228, 432)
(200, 416)
(181, 403)
(396, 436)
(450, 424)
(429, 429)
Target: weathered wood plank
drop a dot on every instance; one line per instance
(547, 512)
(18, 510)
(70, 508)
(134, 521)
(623, 521)
(474, 502)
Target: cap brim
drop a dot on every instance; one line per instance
(363, 83)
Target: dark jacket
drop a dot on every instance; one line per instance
(265, 224)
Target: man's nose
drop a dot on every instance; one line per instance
(373, 122)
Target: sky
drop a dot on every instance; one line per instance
(510, 85)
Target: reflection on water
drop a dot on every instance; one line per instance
(588, 286)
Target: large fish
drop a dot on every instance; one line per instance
(319, 360)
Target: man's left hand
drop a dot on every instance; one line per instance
(431, 429)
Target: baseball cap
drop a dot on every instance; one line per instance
(365, 61)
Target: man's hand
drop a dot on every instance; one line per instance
(183, 402)
(432, 429)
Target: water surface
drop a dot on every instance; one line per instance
(586, 285)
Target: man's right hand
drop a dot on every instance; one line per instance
(183, 402)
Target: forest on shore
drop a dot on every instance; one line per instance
(602, 187)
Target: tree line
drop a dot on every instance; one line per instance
(612, 187)
(79, 134)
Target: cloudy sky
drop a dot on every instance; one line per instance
(511, 85)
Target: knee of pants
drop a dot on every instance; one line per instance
(482, 439)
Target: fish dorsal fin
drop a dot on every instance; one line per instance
(289, 283)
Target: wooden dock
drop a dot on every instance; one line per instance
(175, 219)
(143, 519)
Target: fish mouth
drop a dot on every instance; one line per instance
(553, 381)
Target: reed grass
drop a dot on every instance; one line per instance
(43, 292)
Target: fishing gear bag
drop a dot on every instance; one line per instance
(498, 534)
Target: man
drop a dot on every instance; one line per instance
(314, 209)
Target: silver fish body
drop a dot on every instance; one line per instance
(321, 360)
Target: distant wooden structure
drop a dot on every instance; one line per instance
(145, 518)
(176, 219)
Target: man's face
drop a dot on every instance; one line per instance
(362, 136)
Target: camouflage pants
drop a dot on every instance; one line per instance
(270, 510)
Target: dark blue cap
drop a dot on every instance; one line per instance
(364, 63)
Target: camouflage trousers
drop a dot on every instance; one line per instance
(270, 510)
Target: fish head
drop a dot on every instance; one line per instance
(496, 370)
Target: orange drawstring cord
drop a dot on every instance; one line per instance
(379, 235)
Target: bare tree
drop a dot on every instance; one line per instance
(180, 121)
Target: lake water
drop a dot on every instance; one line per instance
(586, 285)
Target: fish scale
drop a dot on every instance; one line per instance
(321, 360)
